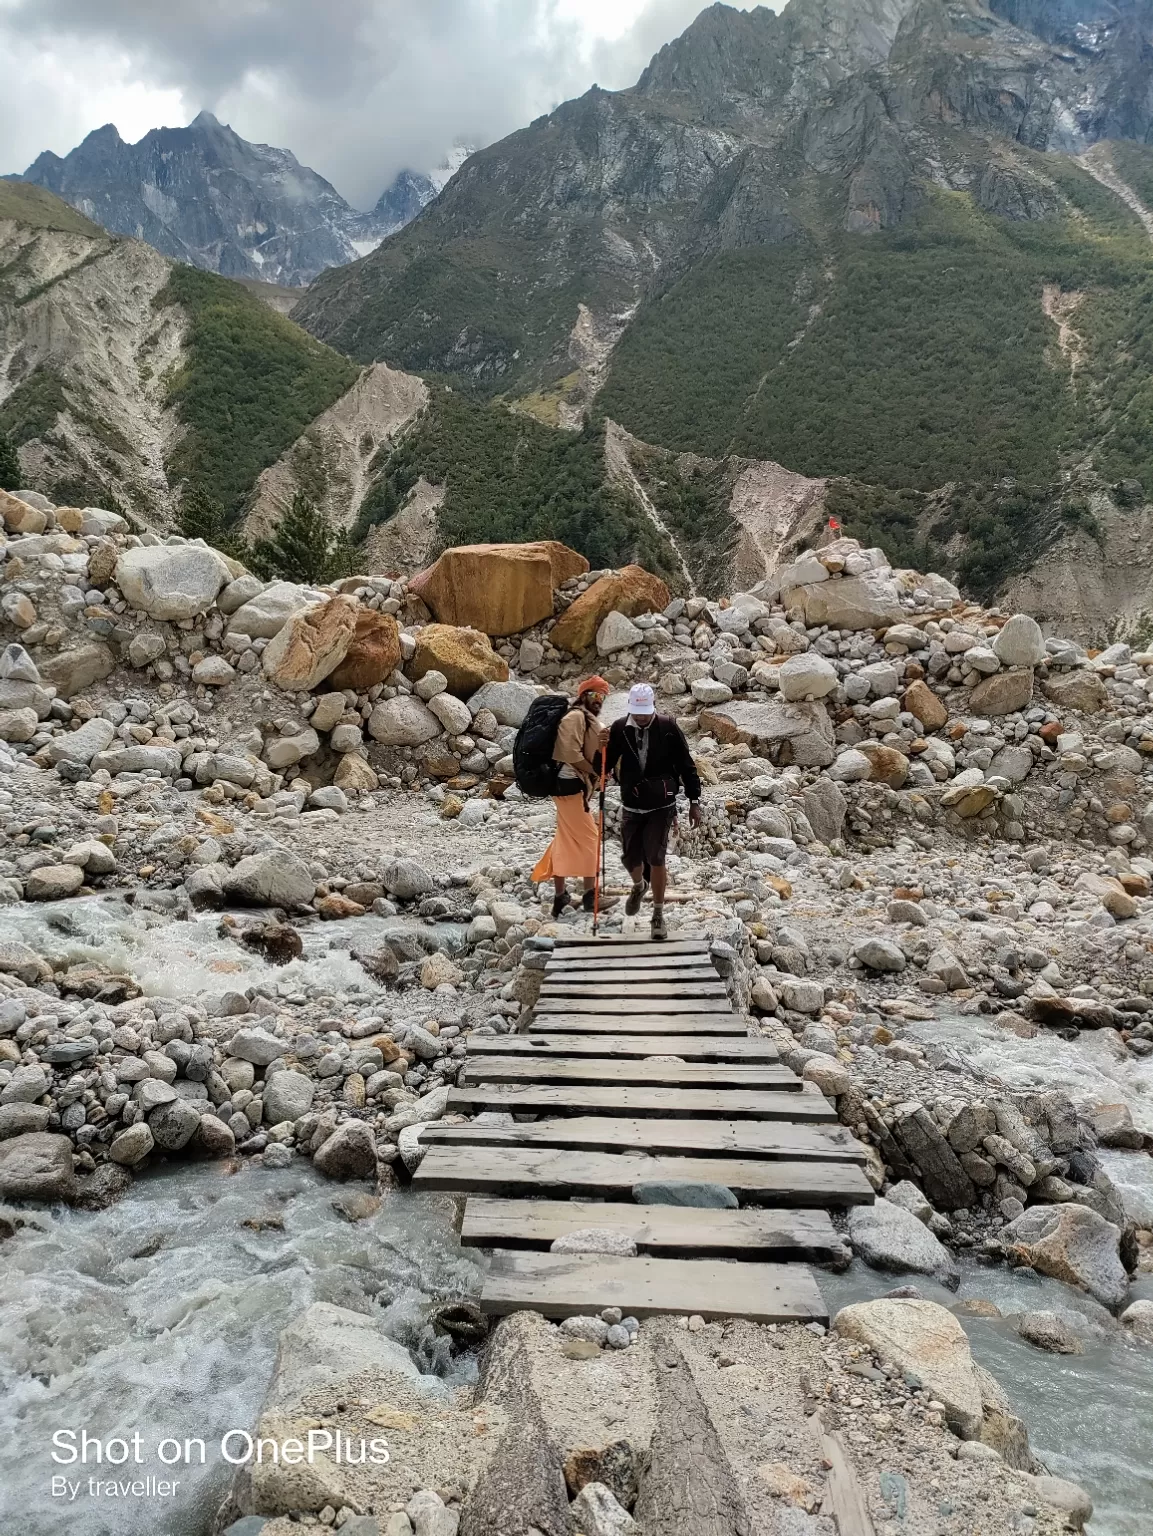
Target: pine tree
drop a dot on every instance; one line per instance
(304, 547)
(202, 517)
(9, 465)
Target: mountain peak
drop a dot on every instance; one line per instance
(206, 119)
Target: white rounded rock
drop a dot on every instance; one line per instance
(807, 676)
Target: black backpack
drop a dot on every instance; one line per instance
(532, 759)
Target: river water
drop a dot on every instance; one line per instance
(1089, 1417)
(163, 1313)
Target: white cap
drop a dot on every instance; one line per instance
(641, 700)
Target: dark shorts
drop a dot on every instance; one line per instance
(645, 839)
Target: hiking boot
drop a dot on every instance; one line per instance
(636, 896)
(559, 903)
(657, 929)
(589, 904)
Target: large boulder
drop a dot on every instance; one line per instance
(82, 746)
(171, 581)
(889, 1237)
(19, 516)
(870, 601)
(287, 1096)
(1082, 690)
(787, 733)
(464, 657)
(72, 671)
(311, 645)
(629, 591)
(926, 1341)
(499, 589)
(36, 1166)
(405, 721)
(1005, 693)
(266, 614)
(349, 1153)
(1074, 1244)
(275, 878)
(1020, 643)
(508, 702)
(373, 655)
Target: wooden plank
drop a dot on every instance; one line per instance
(607, 942)
(845, 1496)
(661, 966)
(627, 991)
(631, 1099)
(651, 1074)
(630, 949)
(667, 1231)
(633, 1005)
(639, 1024)
(687, 1047)
(608, 1175)
(588, 976)
(709, 1138)
(559, 1284)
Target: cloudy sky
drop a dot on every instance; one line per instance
(356, 88)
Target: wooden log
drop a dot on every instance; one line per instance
(667, 1231)
(809, 1104)
(708, 1138)
(547, 1047)
(532, 1171)
(691, 1489)
(521, 1487)
(558, 1284)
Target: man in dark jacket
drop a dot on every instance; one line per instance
(650, 758)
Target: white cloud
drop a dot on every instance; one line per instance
(358, 89)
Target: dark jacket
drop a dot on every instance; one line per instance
(669, 764)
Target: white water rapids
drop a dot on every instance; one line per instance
(163, 1313)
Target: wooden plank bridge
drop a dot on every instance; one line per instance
(636, 1069)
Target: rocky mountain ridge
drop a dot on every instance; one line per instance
(205, 196)
(735, 135)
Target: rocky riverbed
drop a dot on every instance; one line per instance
(264, 868)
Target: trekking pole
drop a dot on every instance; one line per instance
(600, 853)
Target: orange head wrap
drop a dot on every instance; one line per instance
(593, 685)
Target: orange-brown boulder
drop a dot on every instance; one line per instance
(373, 654)
(499, 589)
(630, 591)
(465, 657)
(920, 700)
(887, 765)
